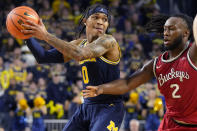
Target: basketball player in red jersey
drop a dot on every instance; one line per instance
(175, 71)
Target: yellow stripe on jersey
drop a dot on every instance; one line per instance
(112, 62)
(83, 42)
(87, 60)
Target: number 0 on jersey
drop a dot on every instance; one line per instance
(85, 74)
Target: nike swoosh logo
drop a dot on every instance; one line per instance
(25, 13)
(157, 67)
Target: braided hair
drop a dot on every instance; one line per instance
(89, 11)
(156, 24)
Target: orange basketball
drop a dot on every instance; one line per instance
(17, 17)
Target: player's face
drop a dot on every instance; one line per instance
(97, 24)
(173, 33)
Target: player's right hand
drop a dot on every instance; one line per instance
(91, 91)
(37, 30)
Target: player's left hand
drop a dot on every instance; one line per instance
(91, 91)
(37, 30)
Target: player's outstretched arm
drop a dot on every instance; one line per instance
(122, 86)
(43, 56)
(95, 49)
(71, 49)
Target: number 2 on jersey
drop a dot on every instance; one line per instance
(176, 88)
(85, 74)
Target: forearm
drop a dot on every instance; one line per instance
(122, 86)
(117, 87)
(42, 56)
(70, 50)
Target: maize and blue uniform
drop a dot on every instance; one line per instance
(20, 120)
(38, 121)
(152, 120)
(104, 112)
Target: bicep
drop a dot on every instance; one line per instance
(99, 47)
(93, 51)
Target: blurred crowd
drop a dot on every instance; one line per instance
(31, 92)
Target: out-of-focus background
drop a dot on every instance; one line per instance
(32, 92)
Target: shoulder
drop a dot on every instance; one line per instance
(107, 41)
(107, 36)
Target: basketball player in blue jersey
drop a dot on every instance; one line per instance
(98, 55)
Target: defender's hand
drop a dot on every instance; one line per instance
(37, 30)
(92, 91)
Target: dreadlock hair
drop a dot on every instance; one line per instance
(81, 27)
(156, 24)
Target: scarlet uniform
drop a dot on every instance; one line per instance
(177, 82)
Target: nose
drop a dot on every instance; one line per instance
(100, 21)
(166, 32)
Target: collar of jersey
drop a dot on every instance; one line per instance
(170, 60)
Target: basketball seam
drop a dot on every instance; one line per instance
(29, 10)
(16, 26)
(20, 16)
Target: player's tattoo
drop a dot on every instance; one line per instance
(99, 46)
(95, 49)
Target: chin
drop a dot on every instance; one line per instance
(98, 34)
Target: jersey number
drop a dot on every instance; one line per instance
(85, 74)
(176, 88)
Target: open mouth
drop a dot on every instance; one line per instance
(166, 41)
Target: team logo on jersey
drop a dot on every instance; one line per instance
(172, 75)
(112, 127)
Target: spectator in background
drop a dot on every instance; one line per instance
(60, 70)
(39, 71)
(152, 111)
(132, 107)
(38, 112)
(21, 113)
(59, 92)
(31, 93)
(42, 87)
(76, 100)
(18, 71)
(134, 125)
(8, 48)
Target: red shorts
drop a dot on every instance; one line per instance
(168, 124)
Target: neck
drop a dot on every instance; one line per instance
(91, 38)
(178, 50)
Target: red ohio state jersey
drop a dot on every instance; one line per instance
(177, 81)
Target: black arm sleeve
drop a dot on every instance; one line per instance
(42, 56)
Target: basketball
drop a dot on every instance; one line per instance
(17, 17)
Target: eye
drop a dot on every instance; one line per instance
(95, 17)
(105, 19)
(172, 28)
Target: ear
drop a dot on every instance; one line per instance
(84, 21)
(186, 33)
